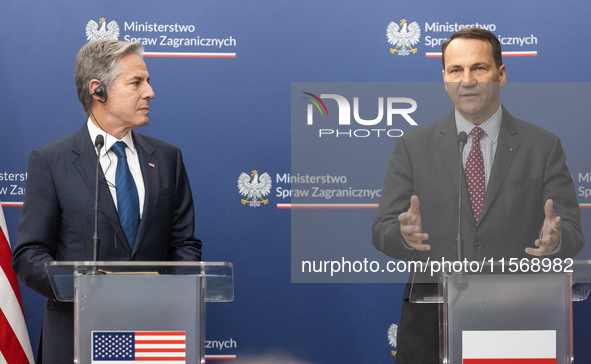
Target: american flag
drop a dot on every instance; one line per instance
(15, 347)
(156, 347)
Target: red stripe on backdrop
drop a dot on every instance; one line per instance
(181, 55)
(9, 345)
(12, 204)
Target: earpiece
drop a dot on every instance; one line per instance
(101, 91)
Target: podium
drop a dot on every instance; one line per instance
(508, 317)
(148, 311)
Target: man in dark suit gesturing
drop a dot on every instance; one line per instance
(518, 199)
(145, 203)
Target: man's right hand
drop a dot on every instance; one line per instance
(411, 227)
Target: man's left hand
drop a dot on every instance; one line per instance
(550, 233)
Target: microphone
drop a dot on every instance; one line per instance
(462, 140)
(99, 142)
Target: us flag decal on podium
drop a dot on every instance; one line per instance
(509, 347)
(156, 347)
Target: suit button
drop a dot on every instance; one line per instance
(478, 247)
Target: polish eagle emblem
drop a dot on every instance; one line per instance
(393, 337)
(106, 31)
(403, 39)
(254, 189)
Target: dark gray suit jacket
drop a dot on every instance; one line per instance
(529, 168)
(57, 221)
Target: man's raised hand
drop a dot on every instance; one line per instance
(411, 227)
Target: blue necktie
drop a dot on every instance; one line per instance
(128, 202)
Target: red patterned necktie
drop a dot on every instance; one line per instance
(475, 173)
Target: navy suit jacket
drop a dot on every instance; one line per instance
(57, 221)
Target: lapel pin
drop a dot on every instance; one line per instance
(152, 165)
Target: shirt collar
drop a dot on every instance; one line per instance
(94, 131)
(491, 126)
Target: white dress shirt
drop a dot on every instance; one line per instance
(108, 162)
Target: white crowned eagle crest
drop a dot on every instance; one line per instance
(403, 38)
(255, 189)
(393, 337)
(111, 31)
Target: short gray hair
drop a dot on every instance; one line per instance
(98, 59)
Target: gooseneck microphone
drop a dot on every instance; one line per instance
(462, 140)
(96, 242)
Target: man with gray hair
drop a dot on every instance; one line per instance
(145, 204)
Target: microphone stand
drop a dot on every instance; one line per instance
(96, 241)
(463, 138)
